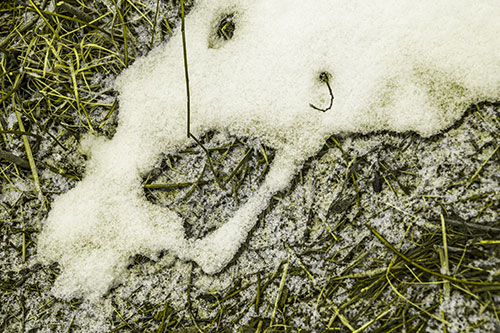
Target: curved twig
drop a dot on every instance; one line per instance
(325, 77)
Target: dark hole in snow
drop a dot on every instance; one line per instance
(226, 27)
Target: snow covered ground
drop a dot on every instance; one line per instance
(325, 195)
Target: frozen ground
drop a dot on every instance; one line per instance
(318, 229)
(313, 260)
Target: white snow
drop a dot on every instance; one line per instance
(397, 65)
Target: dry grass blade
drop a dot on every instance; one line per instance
(444, 276)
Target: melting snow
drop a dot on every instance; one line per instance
(393, 65)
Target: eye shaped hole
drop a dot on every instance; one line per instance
(223, 29)
(226, 27)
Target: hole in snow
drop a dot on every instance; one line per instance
(226, 27)
(223, 30)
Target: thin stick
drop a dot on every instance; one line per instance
(188, 98)
(186, 74)
(323, 77)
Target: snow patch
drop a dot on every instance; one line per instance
(392, 65)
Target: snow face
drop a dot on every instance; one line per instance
(392, 65)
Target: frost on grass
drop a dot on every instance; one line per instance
(392, 65)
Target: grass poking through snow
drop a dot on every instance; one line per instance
(377, 233)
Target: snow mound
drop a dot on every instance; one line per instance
(391, 65)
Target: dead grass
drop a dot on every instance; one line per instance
(334, 262)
